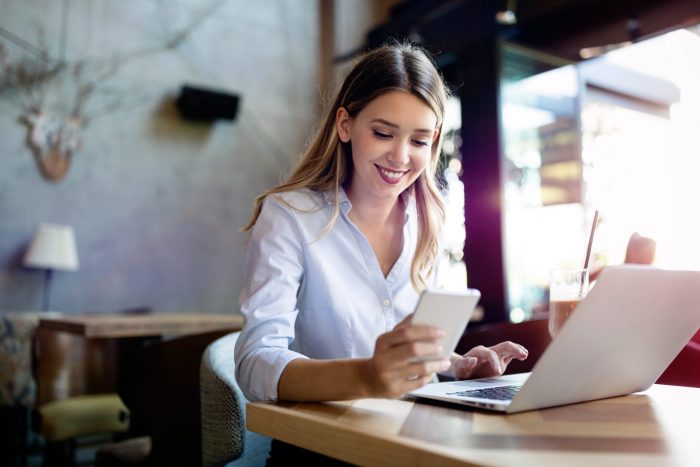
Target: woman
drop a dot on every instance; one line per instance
(340, 252)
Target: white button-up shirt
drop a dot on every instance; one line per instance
(310, 294)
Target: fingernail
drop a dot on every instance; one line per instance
(440, 333)
(445, 365)
(440, 349)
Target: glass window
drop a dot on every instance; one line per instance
(542, 180)
(617, 134)
(452, 272)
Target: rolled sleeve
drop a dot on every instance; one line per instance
(274, 270)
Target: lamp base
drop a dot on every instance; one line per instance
(46, 296)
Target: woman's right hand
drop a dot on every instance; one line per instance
(392, 370)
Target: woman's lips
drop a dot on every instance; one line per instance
(390, 176)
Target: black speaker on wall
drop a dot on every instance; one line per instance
(206, 105)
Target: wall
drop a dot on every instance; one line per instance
(156, 202)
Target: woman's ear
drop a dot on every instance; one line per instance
(342, 124)
(436, 133)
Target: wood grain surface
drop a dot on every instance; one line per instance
(656, 427)
(152, 324)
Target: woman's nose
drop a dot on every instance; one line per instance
(399, 155)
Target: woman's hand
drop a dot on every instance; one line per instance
(485, 362)
(392, 370)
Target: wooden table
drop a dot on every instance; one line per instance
(80, 353)
(150, 324)
(158, 379)
(660, 426)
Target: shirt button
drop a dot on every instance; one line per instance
(387, 302)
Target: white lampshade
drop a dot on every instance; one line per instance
(53, 247)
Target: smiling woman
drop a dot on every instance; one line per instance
(390, 148)
(390, 143)
(340, 252)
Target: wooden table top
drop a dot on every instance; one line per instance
(151, 324)
(657, 427)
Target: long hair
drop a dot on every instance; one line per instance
(327, 162)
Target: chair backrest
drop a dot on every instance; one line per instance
(684, 370)
(224, 436)
(222, 404)
(159, 382)
(68, 365)
(17, 381)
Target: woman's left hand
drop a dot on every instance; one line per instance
(485, 362)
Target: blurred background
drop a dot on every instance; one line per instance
(154, 198)
(559, 108)
(135, 134)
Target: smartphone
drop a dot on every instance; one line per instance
(449, 311)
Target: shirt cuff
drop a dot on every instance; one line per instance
(261, 370)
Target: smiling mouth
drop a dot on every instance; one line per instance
(390, 176)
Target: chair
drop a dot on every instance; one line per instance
(224, 436)
(684, 370)
(18, 386)
(159, 382)
(76, 393)
(77, 390)
(533, 335)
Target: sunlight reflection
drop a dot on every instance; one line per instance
(625, 143)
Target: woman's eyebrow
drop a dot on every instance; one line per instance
(394, 125)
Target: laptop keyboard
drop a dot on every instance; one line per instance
(501, 393)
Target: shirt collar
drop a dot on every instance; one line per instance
(346, 204)
(343, 200)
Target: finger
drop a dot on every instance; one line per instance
(410, 385)
(421, 382)
(407, 380)
(467, 362)
(412, 350)
(510, 348)
(421, 369)
(405, 322)
(463, 368)
(406, 335)
(488, 357)
(411, 333)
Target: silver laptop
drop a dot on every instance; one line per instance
(630, 327)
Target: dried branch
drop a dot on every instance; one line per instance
(55, 138)
(85, 89)
(29, 76)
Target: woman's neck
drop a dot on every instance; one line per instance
(370, 211)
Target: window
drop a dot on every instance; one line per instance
(616, 133)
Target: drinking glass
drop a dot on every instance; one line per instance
(567, 287)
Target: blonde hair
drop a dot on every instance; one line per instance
(327, 162)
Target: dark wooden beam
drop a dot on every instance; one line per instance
(483, 252)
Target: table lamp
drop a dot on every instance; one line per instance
(53, 248)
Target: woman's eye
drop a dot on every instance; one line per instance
(381, 135)
(419, 142)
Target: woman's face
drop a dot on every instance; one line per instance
(391, 140)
